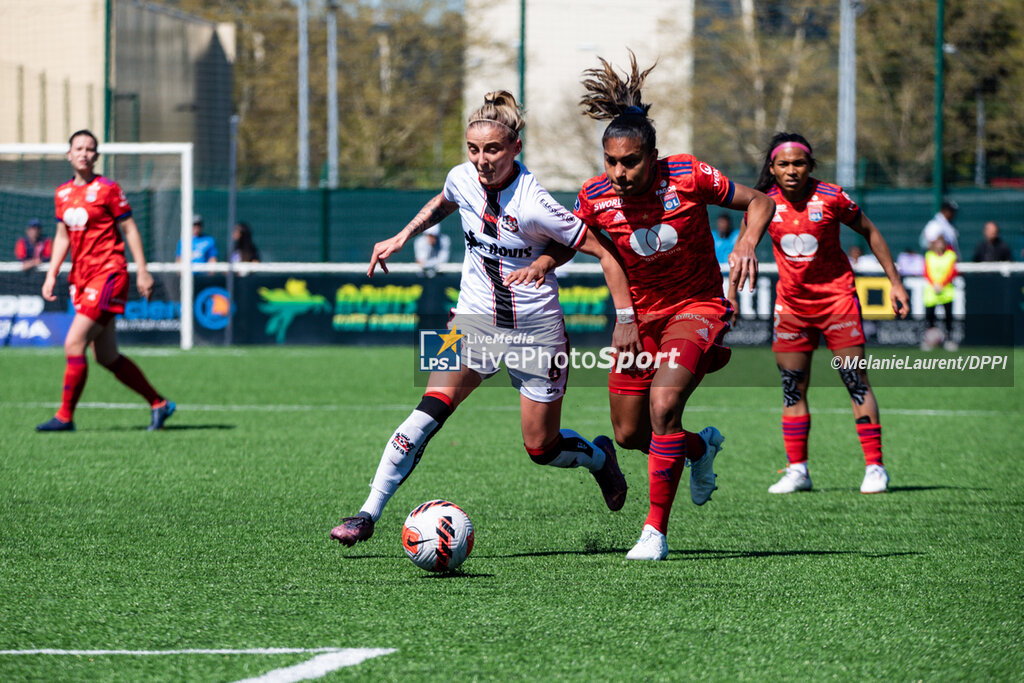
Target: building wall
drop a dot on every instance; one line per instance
(564, 37)
(51, 68)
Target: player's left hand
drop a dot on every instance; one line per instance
(531, 274)
(144, 283)
(742, 266)
(626, 338)
(900, 300)
(734, 304)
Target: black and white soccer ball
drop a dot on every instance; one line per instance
(437, 536)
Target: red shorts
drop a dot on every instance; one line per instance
(799, 329)
(691, 336)
(102, 297)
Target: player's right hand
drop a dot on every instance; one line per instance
(381, 252)
(48, 284)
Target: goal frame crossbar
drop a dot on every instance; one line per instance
(181, 149)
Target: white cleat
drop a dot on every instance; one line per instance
(876, 480)
(792, 481)
(652, 545)
(702, 476)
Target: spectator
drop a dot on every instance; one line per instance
(204, 248)
(33, 249)
(431, 250)
(725, 238)
(939, 271)
(993, 247)
(909, 262)
(862, 262)
(941, 224)
(243, 249)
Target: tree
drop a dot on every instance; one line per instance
(761, 67)
(399, 81)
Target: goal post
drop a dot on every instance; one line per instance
(39, 178)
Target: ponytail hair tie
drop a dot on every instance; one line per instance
(633, 109)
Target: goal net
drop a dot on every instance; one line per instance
(156, 177)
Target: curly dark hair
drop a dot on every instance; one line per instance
(609, 97)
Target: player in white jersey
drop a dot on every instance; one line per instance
(508, 219)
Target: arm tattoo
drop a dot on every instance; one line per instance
(433, 213)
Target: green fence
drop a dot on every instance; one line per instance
(342, 225)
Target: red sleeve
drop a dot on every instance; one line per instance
(117, 202)
(47, 249)
(711, 185)
(582, 209)
(20, 250)
(846, 209)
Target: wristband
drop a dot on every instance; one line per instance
(624, 316)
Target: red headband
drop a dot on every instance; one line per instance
(790, 143)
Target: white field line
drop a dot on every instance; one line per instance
(327, 660)
(319, 666)
(335, 407)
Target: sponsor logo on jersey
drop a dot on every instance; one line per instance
(64, 193)
(576, 206)
(558, 211)
(799, 247)
(75, 217)
(652, 240)
(495, 250)
(711, 171)
(815, 210)
(615, 203)
(703, 333)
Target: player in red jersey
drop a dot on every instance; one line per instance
(816, 297)
(655, 212)
(94, 220)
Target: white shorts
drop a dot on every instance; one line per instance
(535, 357)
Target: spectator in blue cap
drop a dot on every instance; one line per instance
(204, 248)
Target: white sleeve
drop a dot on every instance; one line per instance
(551, 219)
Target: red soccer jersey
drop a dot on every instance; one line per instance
(90, 213)
(805, 238)
(663, 236)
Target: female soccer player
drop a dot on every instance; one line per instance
(655, 211)
(815, 296)
(95, 221)
(507, 220)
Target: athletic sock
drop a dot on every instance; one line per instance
(75, 373)
(569, 449)
(404, 450)
(795, 429)
(870, 436)
(129, 374)
(665, 464)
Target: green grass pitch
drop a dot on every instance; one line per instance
(214, 533)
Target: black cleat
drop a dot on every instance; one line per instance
(609, 477)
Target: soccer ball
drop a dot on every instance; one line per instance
(437, 536)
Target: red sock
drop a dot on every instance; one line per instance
(75, 372)
(665, 465)
(129, 374)
(794, 435)
(871, 441)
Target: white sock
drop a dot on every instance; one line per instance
(399, 458)
(800, 467)
(574, 451)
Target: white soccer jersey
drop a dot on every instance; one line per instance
(506, 228)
